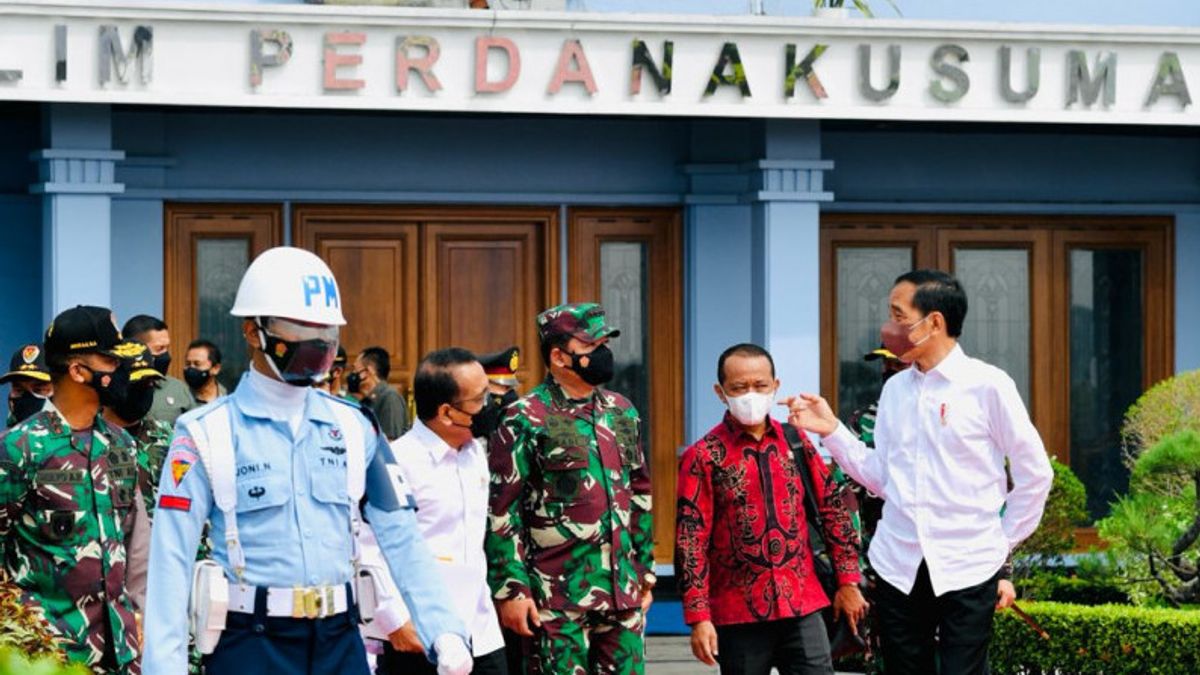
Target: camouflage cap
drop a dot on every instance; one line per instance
(581, 320)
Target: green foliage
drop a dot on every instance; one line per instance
(1158, 522)
(862, 5)
(23, 629)
(14, 662)
(1066, 509)
(1167, 408)
(1076, 589)
(1110, 639)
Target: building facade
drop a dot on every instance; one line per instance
(711, 179)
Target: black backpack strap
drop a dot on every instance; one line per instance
(812, 511)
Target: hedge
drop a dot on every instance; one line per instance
(13, 662)
(1106, 639)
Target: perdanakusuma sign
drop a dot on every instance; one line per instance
(371, 58)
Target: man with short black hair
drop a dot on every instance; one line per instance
(172, 397)
(444, 460)
(944, 432)
(743, 556)
(69, 497)
(570, 529)
(368, 381)
(203, 364)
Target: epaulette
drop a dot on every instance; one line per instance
(360, 406)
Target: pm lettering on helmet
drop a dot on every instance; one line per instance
(317, 286)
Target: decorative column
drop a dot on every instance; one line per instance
(752, 248)
(76, 180)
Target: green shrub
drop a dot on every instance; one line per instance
(1066, 509)
(1110, 639)
(1071, 588)
(14, 662)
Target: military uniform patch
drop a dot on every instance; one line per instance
(181, 463)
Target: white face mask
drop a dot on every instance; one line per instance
(750, 408)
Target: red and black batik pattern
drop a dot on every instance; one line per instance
(742, 551)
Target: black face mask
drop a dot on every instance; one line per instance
(161, 362)
(301, 363)
(504, 400)
(25, 406)
(195, 377)
(353, 382)
(486, 421)
(137, 402)
(117, 389)
(599, 368)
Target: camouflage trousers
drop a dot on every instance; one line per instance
(588, 643)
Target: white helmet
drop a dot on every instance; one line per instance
(289, 283)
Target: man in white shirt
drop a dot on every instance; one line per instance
(445, 463)
(943, 433)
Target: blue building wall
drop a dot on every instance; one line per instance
(20, 229)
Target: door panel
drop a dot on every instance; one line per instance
(373, 256)
(486, 276)
(630, 261)
(415, 279)
(208, 247)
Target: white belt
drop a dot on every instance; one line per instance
(316, 602)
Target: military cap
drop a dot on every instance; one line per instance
(501, 366)
(581, 320)
(339, 361)
(28, 361)
(82, 329)
(881, 353)
(136, 357)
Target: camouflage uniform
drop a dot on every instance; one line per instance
(153, 437)
(570, 523)
(66, 512)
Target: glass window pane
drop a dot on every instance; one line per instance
(864, 280)
(1106, 366)
(220, 264)
(997, 327)
(624, 289)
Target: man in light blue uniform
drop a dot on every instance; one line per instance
(290, 565)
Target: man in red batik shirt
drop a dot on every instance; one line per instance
(743, 559)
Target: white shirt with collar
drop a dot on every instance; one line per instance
(451, 490)
(941, 438)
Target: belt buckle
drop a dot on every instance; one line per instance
(307, 603)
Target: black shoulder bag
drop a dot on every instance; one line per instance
(842, 641)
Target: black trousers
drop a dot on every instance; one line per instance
(794, 646)
(924, 634)
(392, 662)
(284, 646)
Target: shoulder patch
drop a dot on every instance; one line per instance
(181, 462)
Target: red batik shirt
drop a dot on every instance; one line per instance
(742, 552)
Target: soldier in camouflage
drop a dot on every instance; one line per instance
(68, 498)
(152, 436)
(570, 538)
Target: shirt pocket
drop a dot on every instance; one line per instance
(565, 470)
(123, 479)
(261, 497)
(58, 513)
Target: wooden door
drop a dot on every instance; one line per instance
(630, 260)
(415, 279)
(373, 254)
(486, 275)
(207, 249)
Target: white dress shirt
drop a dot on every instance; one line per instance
(451, 489)
(941, 438)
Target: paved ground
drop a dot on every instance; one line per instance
(673, 656)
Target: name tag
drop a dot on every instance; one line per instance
(61, 476)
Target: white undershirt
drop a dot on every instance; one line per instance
(282, 400)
